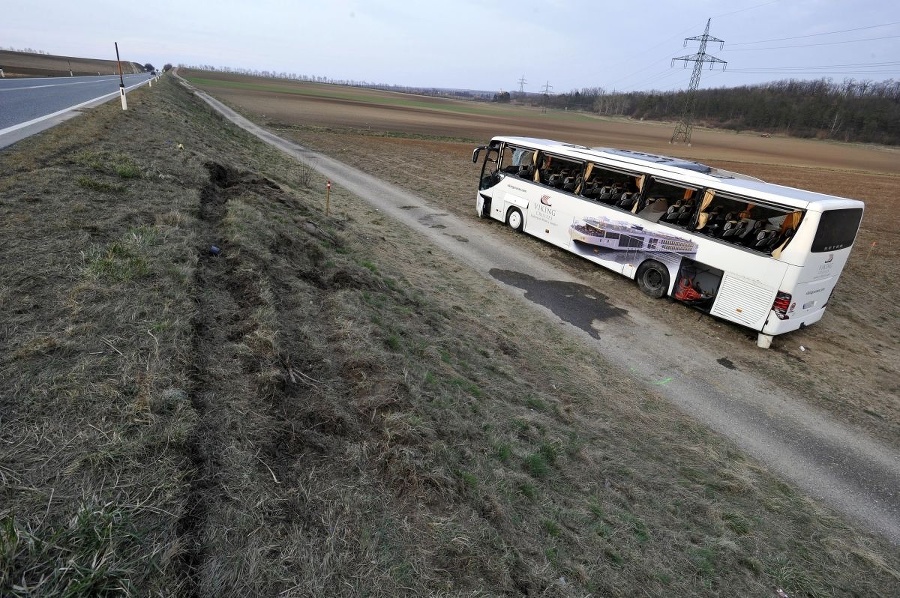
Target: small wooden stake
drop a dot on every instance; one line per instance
(870, 251)
(327, 197)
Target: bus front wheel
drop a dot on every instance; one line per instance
(653, 279)
(514, 219)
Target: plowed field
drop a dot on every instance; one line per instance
(847, 364)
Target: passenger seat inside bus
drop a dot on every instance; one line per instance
(590, 189)
(717, 222)
(626, 201)
(748, 237)
(763, 239)
(734, 229)
(570, 183)
(605, 194)
(672, 213)
(684, 214)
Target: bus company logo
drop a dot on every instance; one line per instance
(824, 270)
(544, 211)
(830, 257)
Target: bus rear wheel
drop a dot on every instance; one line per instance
(514, 219)
(653, 279)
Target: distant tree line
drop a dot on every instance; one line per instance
(25, 50)
(859, 111)
(856, 111)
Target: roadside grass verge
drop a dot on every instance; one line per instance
(330, 406)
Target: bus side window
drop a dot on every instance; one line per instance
(560, 173)
(523, 160)
(669, 203)
(507, 162)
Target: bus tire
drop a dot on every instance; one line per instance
(653, 279)
(514, 219)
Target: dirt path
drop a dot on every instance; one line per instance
(830, 461)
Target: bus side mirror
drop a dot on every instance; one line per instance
(475, 154)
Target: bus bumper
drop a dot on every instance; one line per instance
(774, 326)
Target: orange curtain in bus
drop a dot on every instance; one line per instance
(703, 216)
(792, 220)
(639, 181)
(587, 176)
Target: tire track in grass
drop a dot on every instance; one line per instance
(216, 374)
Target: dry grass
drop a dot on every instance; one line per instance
(858, 336)
(328, 406)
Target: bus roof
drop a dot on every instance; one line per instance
(691, 172)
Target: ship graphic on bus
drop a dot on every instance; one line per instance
(623, 236)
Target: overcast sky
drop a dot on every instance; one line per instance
(479, 44)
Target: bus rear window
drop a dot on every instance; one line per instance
(837, 229)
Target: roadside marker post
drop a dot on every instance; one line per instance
(327, 197)
(121, 79)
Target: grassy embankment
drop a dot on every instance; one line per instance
(26, 64)
(328, 406)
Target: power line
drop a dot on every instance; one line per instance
(734, 12)
(849, 41)
(646, 51)
(654, 78)
(773, 71)
(784, 39)
(834, 66)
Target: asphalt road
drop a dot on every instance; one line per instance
(24, 100)
(840, 466)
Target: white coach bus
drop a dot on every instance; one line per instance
(758, 254)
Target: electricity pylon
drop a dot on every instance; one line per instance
(686, 125)
(522, 84)
(547, 88)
